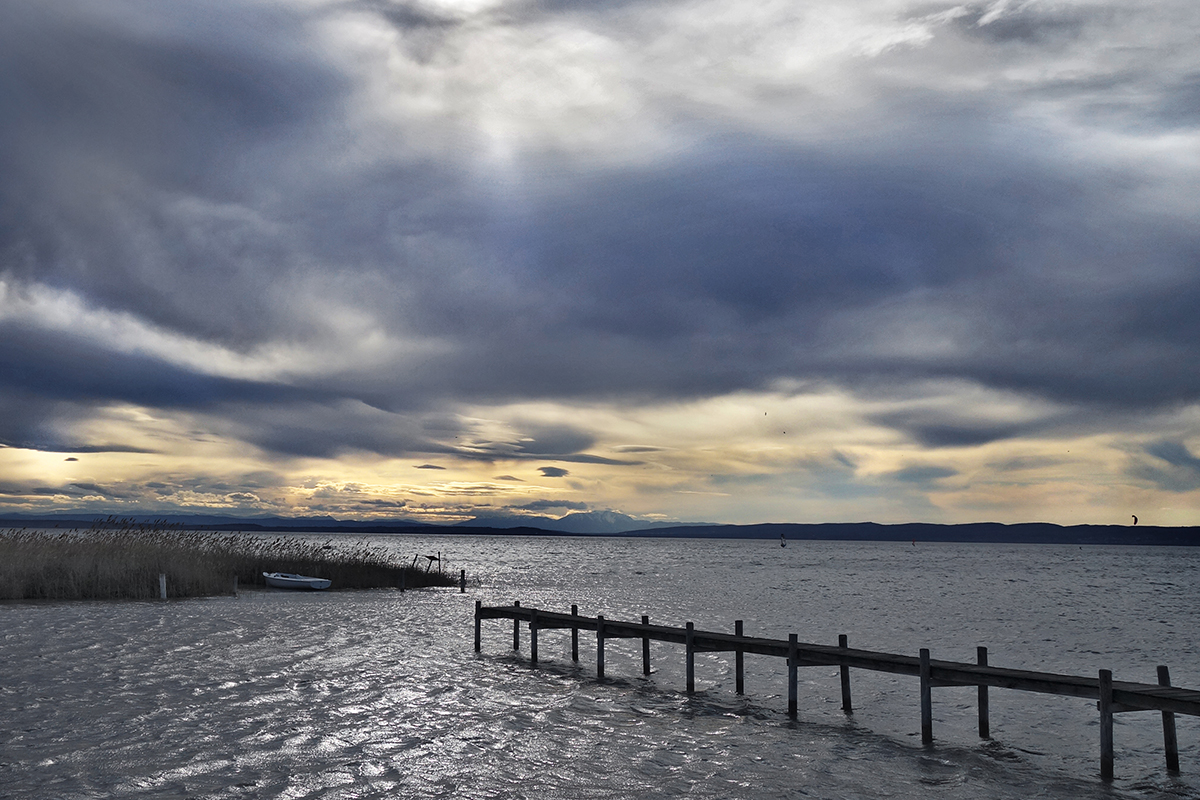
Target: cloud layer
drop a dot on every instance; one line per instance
(316, 240)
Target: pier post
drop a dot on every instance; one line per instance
(1170, 742)
(533, 632)
(793, 667)
(162, 586)
(847, 706)
(462, 582)
(516, 628)
(645, 648)
(985, 730)
(599, 646)
(926, 699)
(1106, 725)
(478, 625)
(689, 640)
(738, 661)
(574, 635)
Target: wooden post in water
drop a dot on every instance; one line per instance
(1106, 725)
(574, 635)
(926, 699)
(162, 586)
(645, 648)
(533, 632)
(478, 624)
(1170, 742)
(689, 639)
(985, 730)
(738, 661)
(792, 659)
(847, 706)
(462, 582)
(599, 646)
(235, 585)
(516, 628)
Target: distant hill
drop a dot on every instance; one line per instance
(1017, 533)
(610, 523)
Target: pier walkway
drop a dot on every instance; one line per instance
(1112, 696)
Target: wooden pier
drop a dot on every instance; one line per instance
(1112, 696)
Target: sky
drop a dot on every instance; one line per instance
(730, 261)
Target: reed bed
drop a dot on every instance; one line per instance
(117, 559)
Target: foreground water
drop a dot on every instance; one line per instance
(380, 694)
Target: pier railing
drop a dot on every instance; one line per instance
(1112, 696)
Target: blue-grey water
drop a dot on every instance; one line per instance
(380, 694)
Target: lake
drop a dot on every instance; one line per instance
(380, 694)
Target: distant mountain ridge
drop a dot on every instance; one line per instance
(584, 522)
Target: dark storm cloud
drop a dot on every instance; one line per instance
(197, 168)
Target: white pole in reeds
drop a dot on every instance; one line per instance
(162, 586)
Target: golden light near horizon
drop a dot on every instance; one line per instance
(794, 454)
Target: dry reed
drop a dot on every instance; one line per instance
(122, 559)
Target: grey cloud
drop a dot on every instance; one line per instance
(553, 472)
(923, 475)
(1027, 25)
(196, 171)
(543, 505)
(1173, 469)
(1176, 454)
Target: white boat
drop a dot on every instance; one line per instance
(288, 580)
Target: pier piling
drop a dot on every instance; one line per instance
(793, 663)
(926, 698)
(599, 646)
(1106, 725)
(738, 660)
(690, 644)
(985, 731)
(844, 670)
(574, 635)
(645, 648)
(1170, 742)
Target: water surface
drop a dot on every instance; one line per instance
(380, 694)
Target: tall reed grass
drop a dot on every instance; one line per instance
(119, 559)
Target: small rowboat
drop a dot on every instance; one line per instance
(288, 580)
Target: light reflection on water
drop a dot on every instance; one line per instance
(379, 694)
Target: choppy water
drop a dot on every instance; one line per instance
(380, 694)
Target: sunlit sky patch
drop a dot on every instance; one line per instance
(692, 261)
